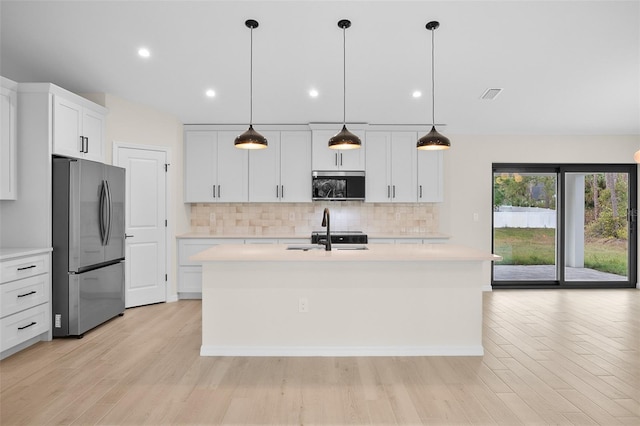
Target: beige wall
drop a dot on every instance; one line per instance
(132, 123)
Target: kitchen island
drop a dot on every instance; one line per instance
(387, 300)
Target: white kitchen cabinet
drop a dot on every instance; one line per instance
(215, 170)
(78, 131)
(25, 288)
(8, 139)
(430, 176)
(282, 172)
(325, 158)
(189, 272)
(391, 167)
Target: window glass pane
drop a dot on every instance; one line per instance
(596, 227)
(524, 226)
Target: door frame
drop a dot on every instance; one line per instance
(169, 248)
(561, 169)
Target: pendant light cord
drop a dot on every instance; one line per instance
(433, 83)
(344, 77)
(251, 82)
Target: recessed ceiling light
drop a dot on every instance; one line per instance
(210, 93)
(144, 52)
(490, 94)
(313, 93)
(416, 94)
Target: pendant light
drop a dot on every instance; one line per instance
(433, 140)
(251, 139)
(344, 139)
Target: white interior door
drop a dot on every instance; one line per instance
(145, 258)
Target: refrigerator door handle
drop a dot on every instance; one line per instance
(109, 213)
(101, 213)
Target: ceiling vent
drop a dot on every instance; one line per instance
(490, 94)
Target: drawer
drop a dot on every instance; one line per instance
(20, 327)
(24, 267)
(23, 294)
(187, 248)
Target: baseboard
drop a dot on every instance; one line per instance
(337, 351)
(173, 298)
(21, 346)
(487, 287)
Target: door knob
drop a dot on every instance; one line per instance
(128, 236)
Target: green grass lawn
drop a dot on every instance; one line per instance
(536, 246)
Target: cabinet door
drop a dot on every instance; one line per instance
(233, 170)
(8, 159)
(295, 166)
(430, 181)
(200, 167)
(378, 171)
(93, 131)
(404, 179)
(325, 158)
(264, 171)
(67, 128)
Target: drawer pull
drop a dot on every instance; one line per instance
(27, 294)
(27, 326)
(26, 267)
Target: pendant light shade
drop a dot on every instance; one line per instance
(344, 139)
(433, 140)
(251, 139)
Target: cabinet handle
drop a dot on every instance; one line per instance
(420, 191)
(81, 143)
(394, 191)
(277, 191)
(128, 236)
(341, 159)
(335, 157)
(28, 325)
(26, 267)
(86, 138)
(388, 191)
(219, 192)
(214, 191)
(282, 191)
(27, 294)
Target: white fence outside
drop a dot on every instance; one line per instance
(524, 217)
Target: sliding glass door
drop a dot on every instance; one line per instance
(564, 225)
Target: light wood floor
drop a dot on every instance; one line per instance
(552, 357)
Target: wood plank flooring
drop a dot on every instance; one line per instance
(567, 357)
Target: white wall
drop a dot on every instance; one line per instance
(469, 182)
(133, 123)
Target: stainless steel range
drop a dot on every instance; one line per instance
(340, 237)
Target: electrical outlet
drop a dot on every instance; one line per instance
(303, 304)
(58, 321)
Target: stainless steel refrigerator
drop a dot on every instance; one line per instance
(88, 245)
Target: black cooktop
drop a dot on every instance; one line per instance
(340, 237)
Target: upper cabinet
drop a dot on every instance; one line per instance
(282, 172)
(391, 160)
(8, 138)
(430, 180)
(325, 158)
(214, 169)
(78, 130)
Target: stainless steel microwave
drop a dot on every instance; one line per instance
(337, 185)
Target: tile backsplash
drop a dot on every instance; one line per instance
(303, 218)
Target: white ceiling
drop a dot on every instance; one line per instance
(567, 67)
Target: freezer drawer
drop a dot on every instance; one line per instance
(93, 298)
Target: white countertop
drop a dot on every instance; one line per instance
(14, 252)
(374, 253)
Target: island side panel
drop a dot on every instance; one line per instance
(354, 308)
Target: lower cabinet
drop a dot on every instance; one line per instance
(190, 273)
(25, 289)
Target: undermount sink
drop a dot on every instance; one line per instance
(305, 247)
